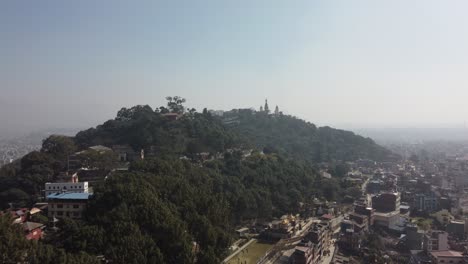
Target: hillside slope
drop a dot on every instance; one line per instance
(155, 211)
(299, 139)
(202, 132)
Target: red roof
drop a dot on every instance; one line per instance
(30, 226)
(327, 216)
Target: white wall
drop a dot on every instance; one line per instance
(60, 187)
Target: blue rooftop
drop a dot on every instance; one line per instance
(70, 196)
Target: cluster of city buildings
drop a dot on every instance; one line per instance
(15, 149)
(29, 219)
(422, 205)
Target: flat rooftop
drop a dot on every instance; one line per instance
(69, 196)
(446, 253)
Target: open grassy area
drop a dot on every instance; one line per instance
(251, 254)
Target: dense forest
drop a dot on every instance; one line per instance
(165, 209)
(298, 139)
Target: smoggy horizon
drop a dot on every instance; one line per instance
(349, 65)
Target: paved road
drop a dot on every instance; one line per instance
(329, 258)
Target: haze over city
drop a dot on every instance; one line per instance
(349, 64)
(233, 132)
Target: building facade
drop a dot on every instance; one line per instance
(425, 202)
(436, 240)
(447, 256)
(66, 187)
(69, 205)
(386, 202)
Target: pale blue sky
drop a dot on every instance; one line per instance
(341, 63)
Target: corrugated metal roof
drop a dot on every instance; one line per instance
(70, 196)
(32, 225)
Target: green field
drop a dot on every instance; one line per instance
(251, 254)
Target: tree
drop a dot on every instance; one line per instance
(14, 248)
(340, 170)
(194, 147)
(330, 189)
(59, 146)
(16, 197)
(175, 104)
(355, 192)
(127, 114)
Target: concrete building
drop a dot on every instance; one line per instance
(361, 222)
(456, 228)
(447, 256)
(414, 237)
(386, 202)
(374, 186)
(388, 220)
(319, 235)
(363, 209)
(280, 229)
(242, 232)
(350, 240)
(126, 153)
(92, 176)
(33, 230)
(65, 187)
(436, 240)
(426, 202)
(303, 254)
(67, 204)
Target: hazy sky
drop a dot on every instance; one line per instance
(342, 63)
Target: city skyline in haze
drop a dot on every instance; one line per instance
(347, 64)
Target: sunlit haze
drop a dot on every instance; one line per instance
(340, 63)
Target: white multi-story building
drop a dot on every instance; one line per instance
(65, 187)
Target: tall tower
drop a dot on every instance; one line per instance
(276, 110)
(267, 109)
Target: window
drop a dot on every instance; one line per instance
(59, 212)
(76, 206)
(59, 205)
(76, 214)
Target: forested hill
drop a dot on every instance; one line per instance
(299, 139)
(142, 128)
(180, 204)
(193, 132)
